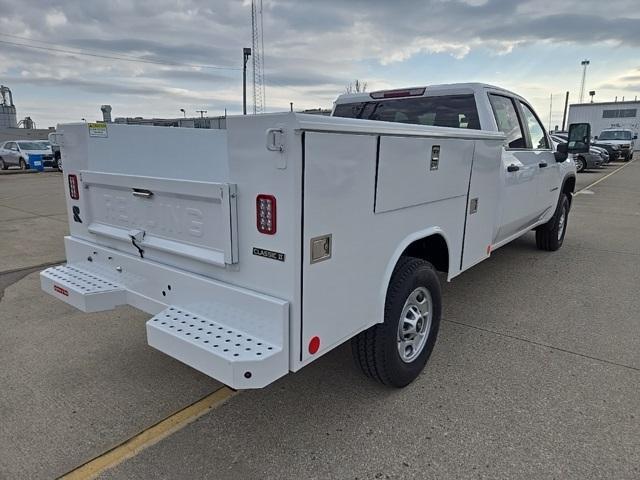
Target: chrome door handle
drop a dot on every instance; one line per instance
(513, 168)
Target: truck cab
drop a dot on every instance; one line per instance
(531, 177)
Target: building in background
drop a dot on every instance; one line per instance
(603, 115)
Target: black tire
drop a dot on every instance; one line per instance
(581, 164)
(548, 236)
(376, 350)
(3, 165)
(23, 165)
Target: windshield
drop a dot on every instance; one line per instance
(32, 146)
(457, 111)
(615, 135)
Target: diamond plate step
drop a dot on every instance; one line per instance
(81, 288)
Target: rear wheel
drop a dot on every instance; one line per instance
(580, 164)
(550, 236)
(23, 164)
(396, 351)
(3, 165)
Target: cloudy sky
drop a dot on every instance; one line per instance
(188, 53)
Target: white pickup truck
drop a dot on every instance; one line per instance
(259, 248)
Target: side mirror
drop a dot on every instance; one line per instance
(635, 137)
(561, 153)
(579, 138)
(596, 137)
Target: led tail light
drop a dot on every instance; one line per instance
(73, 187)
(266, 214)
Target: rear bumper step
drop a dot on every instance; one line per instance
(233, 356)
(235, 335)
(82, 289)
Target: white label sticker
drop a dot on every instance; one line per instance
(98, 130)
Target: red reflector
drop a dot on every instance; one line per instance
(411, 92)
(314, 345)
(266, 214)
(61, 290)
(73, 187)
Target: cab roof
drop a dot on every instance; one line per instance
(429, 90)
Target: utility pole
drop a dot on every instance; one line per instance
(201, 112)
(246, 53)
(550, 110)
(584, 64)
(564, 115)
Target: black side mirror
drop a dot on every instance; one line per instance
(561, 153)
(635, 137)
(579, 138)
(596, 137)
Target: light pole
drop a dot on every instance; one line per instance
(184, 113)
(201, 112)
(584, 64)
(246, 53)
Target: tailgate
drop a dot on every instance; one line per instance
(160, 218)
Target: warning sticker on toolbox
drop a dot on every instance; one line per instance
(98, 130)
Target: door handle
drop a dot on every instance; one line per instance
(141, 192)
(542, 164)
(513, 168)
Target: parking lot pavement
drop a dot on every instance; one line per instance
(535, 375)
(33, 220)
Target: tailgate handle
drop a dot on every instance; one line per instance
(142, 193)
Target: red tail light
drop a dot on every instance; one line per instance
(73, 187)
(266, 214)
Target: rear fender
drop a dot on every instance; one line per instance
(393, 260)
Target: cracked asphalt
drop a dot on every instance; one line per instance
(536, 373)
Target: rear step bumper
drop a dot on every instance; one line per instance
(235, 335)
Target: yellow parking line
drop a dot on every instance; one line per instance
(605, 177)
(150, 436)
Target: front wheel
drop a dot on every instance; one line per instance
(23, 164)
(3, 165)
(580, 164)
(395, 352)
(550, 236)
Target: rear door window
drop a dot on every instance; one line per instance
(507, 120)
(456, 111)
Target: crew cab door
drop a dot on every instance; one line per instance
(520, 206)
(541, 151)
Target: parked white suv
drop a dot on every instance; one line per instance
(622, 137)
(16, 153)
